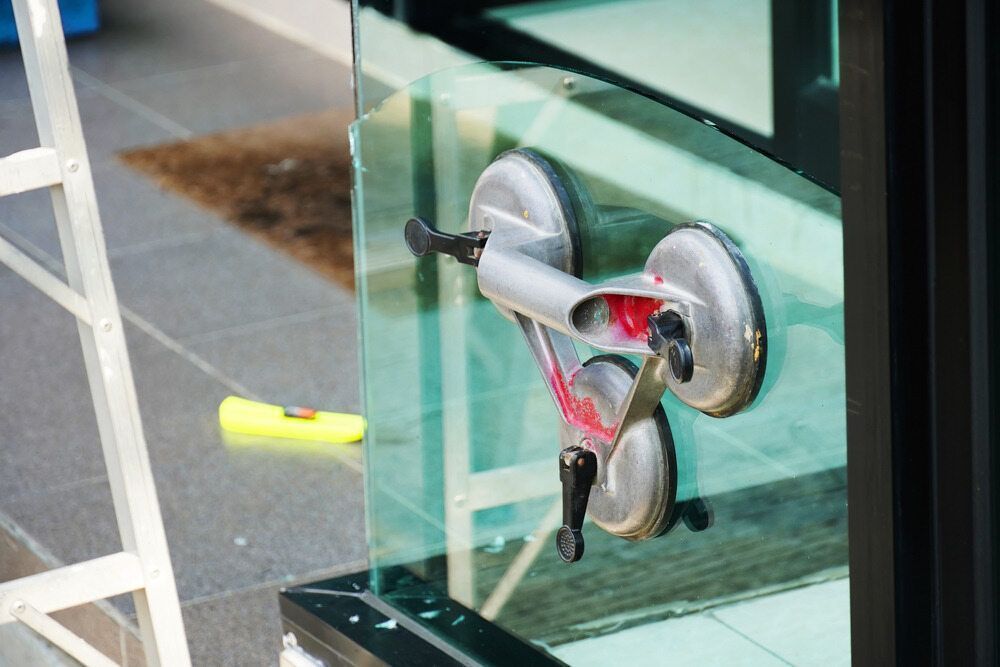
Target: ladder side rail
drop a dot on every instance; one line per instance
(104, 348)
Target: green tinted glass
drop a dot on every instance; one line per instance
(462, 481)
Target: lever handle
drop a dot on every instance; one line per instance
(577, 470)
(422, 238)
(668, 339)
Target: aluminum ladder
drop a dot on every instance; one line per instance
(143, 567)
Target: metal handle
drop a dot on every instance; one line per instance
(422, 239)
(668, 338)
(577, 470)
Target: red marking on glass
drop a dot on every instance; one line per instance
(628, 314)
(579, 412)
(657, 280)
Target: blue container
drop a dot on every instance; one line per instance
(79, 17)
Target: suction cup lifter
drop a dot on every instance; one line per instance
(693, 315)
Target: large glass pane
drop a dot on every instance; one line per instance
(462, 484)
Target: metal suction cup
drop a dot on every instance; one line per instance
(635, 489)
(722, 313)
(521, 202)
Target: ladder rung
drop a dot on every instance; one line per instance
(29, 170)
(73, 585)
(42, 278)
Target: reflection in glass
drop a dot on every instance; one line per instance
(764, 70)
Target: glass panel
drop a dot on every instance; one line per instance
(461, 451)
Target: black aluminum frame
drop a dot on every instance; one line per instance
(916, 139)
(341, 621)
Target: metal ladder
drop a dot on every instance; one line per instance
(143, 567)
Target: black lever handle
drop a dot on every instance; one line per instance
(577, 470)
(668, 338)
(422, 238)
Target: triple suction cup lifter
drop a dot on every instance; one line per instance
(693, 315)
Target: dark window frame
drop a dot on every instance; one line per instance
(915, 158)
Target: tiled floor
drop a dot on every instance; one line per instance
(761, 631)
(207, 314)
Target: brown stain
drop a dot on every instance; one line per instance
(287, 182)
(756, 346)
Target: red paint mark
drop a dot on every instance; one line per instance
(579, 412)
(628, 314)
(657, 280)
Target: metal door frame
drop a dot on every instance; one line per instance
(915, 157)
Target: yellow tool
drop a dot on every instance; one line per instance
(241, 415)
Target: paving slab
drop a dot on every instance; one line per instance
(698, 641)
(238, 630)
(223, 280)
(806, 626)
(245, 93)
(49, 432)
(139, 39)
(13, 84)
(108, 127)
(309, 359)
(135, 214)
(74, 522)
